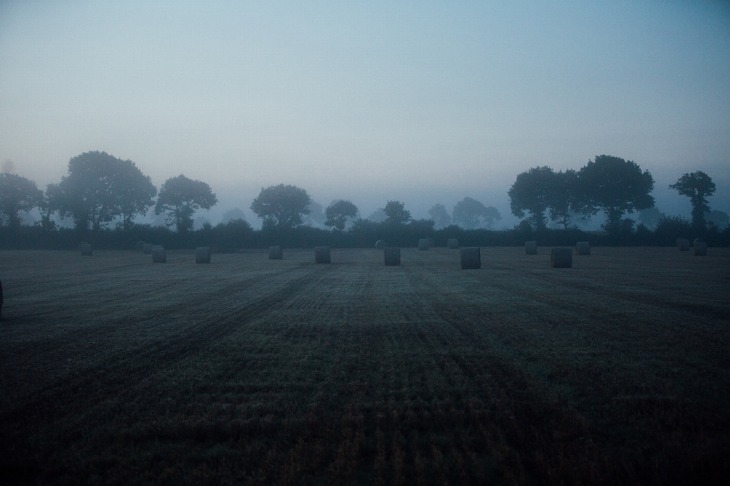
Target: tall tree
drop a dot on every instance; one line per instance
(339, 213)
(396, 213)
(565, 199)
(282, 205)
(440, 216)
(180, 197)
(532, 191)
(614, 185)
(472, 214)
(17, 194)
(697, 186)
(100, 187)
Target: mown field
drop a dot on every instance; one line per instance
(247, 370)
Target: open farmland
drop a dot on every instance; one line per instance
(115, 369)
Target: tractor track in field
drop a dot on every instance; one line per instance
(95, 384)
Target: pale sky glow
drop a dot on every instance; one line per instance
(423, 101)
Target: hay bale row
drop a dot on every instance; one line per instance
(423, 244)
(322, 254)
(683, 244)
(158, 254)
(202, 254)
(85, 249)
(471, 258)
(452, 243)
(583, 248)
(391, 256)
(561, 257)
(531, 247)
(276, 253)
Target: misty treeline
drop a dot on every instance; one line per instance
(103, 195)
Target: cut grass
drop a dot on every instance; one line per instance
(616, 371)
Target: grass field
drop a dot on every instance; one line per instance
(247, 370)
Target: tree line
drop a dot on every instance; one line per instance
(103, 194)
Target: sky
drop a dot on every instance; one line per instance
(420, 101)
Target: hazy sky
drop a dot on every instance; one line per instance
(422, 101)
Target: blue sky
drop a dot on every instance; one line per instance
(426, 102)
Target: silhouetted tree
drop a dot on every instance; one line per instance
(697, 186)
(614, 186)
(650, 217)
(281, 205)
(532, 191)
(316, 217)
(100, 187)
(338, 213)
(440, 216)
(17, 194)
(180, 197)
(396, 213)
(564, 198)
(718, 219)
(472, 214)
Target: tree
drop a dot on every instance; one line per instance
(338, 213)
(650, 217)
(282, 205)
(697, 186)
(396, 213)
(17, 194)
(718, 219)
(472, 214)
(564, 199)
(615, 186)
(533, 191)
(180, 197)
(100, 187)
(440, 216)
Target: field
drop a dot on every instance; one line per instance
(247, 370)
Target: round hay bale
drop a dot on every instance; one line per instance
(531, 247)
(561, 257)
(471, 258)
(202, 254)
(158, 254)
(380, 244)
(276, 253)
(322, 254)
(583, 248)
(147, 248)
(683, 244)
(699, 247)
(85, 249)
(423, 244)
(452, 243)
(392, 256)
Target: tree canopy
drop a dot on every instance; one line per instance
(180, 198)
(338, 213)
(440, 216)
(17, 194)
(282, 205)
(697, 186)
(615, 186)
(100, 187)
(472, 214)
(396, 213)
(533, 191)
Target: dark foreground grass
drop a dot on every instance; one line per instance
(247, 370)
